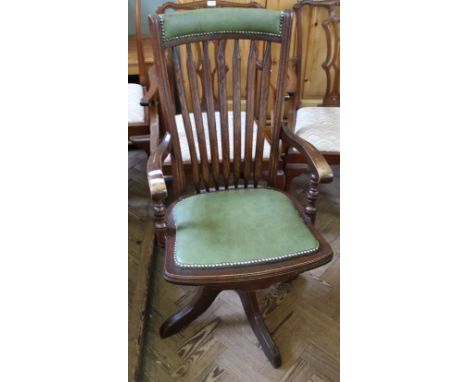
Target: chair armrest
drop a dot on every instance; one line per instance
(149, 95)
(314, 158)
(154, 167)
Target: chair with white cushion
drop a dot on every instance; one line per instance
(318, 125)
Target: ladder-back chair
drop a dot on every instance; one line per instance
(318, 125)
(230, 226)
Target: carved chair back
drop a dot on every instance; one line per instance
(225, 30)
(197, 51)
(331, 64)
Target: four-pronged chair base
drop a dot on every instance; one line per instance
(201, 302)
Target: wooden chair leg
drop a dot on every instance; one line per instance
(250, 303)
(201, 302)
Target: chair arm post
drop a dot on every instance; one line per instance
(321, 170)
(158, 187)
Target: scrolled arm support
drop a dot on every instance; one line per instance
(321, 170)
(157, 185)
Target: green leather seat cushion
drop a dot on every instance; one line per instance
(238, 227)
(220, 20)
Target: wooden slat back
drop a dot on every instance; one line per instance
(197, 51)
(197, 112)
(223, 109)
(236, 140)
(250, 110)
(306, 12)
(331, 65)
(186, 119)
(210, 112)
(236, 84)
(263, 104)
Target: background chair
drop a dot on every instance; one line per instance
(318, 125)
(230, 226)
(140, 117)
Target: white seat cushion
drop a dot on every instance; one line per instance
(320, 126)
(185, 147)
(136, 112)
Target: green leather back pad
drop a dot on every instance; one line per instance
(238, 227)
(201, 22)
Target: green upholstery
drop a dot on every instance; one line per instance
(237, 227)
(201, 22)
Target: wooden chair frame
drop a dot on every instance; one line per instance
(331, 66)
(220, 176)
(143, 141)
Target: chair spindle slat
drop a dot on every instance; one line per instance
(236, 83)
(250, 111)
(210, 113)
(264, 87)
(223, 109)
(186, 117)
(197, 113)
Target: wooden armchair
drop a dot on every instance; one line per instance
(230, 227)
(318, 125)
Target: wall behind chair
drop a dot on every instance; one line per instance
(147, 7)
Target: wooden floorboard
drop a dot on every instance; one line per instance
(303, 315)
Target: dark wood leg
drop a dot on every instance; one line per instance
(201, 302)
(250, 303)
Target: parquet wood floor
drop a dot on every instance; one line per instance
(303, 315)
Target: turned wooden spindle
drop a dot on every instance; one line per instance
(160, 224)
(310, 210)
(159, 193)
